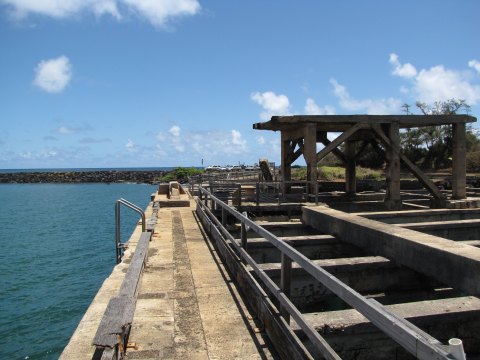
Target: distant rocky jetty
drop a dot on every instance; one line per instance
(101, 176)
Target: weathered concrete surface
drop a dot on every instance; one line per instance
(187, 305)
(427, 254)
(354, 337)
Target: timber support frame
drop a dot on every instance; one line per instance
(300, 135)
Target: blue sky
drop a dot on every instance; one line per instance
(121, 83)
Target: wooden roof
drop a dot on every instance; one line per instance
(338, 123)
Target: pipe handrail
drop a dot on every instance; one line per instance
(402, 331)
(118, 244)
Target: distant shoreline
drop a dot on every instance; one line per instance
(75, 176)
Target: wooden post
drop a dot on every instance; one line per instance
(310, 155)
(459, 180)
(392, 173)
(286, 165)
(350, 173)
(286, 282)
(224, 217)
(257, 193)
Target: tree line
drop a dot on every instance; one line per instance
(429, 147)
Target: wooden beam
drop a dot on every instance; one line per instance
(429, 185)
(392, 171)
(350, 169)
(363, 147)
(296, 154)
(459, 179)
(340, 139)
(310, 155)
(341, 122)
(324, 140)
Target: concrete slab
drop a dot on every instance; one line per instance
(187, 305)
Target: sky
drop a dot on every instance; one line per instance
(153, 83)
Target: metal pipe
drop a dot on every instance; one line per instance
(132, 206)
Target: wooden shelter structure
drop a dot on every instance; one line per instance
(301, 133)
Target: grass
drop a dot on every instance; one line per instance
(332, 173)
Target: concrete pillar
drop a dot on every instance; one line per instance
(392, 173)
(350, 180)
(459, 164)
(310, 154)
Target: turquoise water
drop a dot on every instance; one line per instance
(57, 247)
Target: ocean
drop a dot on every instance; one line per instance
(57, 247)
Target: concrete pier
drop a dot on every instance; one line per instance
(187, 305)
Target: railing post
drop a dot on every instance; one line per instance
(118, 251)
(239, 194)
(316, 192)
(212, 203)
(257, 193)
(244, 238)
(286, 282)
(224, 217)
(134, 207)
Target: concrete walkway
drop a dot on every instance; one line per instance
(187, 306)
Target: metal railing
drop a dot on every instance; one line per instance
(264, 192)
(410, 337)
(118, 245)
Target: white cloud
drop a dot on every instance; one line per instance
(157, 12)
(175, 140)
(237, 141)
(272, 103)
(370, 106)
(64, 130)
(130, 146)
(406, 70)
(175, 130)
(311, 108)
(474, 64)
(53, 75)
(260, 140)
(60, 8)
(202, 143)
(438, 83)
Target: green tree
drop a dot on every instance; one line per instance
(431, 146)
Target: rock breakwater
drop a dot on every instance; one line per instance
(101, 176)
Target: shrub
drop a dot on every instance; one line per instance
(473, 161)
(180, 174)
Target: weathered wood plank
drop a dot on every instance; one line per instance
(117, 315)
(429, 185)
(340, 139)
(120, 309)
(340, 121)
(132, 277)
